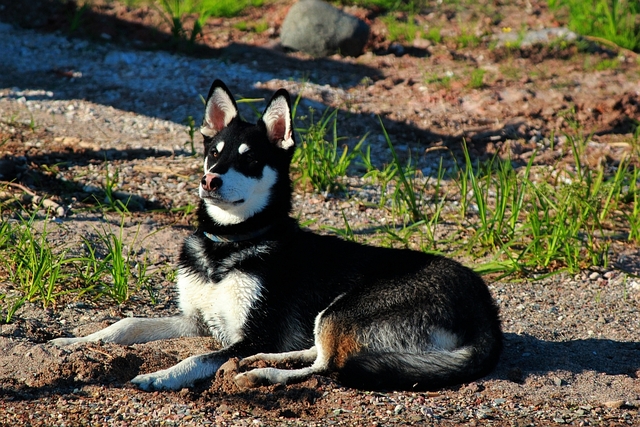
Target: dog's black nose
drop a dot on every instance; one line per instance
(211, 182)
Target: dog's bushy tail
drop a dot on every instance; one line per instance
(409, 371)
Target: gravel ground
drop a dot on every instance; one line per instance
(572, 352)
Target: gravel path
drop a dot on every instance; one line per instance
(572, 351)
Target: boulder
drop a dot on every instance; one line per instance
(319, 29)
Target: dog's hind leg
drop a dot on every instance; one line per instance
(335, 342)
(264, 376)
(302, 356)
(134, 330)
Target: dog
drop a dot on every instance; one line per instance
(372, 318)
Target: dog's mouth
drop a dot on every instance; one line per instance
(215, 199)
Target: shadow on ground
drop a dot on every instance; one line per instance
(525, 355)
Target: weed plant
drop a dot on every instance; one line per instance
(413, 6)
(612, 20)
(175, 11)
(401, 30)
(111, 275)
(320, 163)
(477, 78)
(31, 264)
(111, 201)
(467, 38)
(38, 272)
(434, 35)
(542, 225)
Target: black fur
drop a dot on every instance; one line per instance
(304, 272)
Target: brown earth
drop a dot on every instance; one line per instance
(572, 352)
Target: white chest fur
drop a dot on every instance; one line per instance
(224, 306)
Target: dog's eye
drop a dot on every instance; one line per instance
(215, 153)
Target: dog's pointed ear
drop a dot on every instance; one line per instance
(277, 119)
(219, 110)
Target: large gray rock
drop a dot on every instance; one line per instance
(319, 29)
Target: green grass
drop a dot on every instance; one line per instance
(319, 162)
(40, 272)
(31, 265)
(522, 225)
(388, 5)
(477, 78)
(433, 34)
(601, 64)
(256, 27)
(108, 268)
(401, 30)
(440, 80)
(111, 202)
(612, 20)
(467, 38)
(175, 11)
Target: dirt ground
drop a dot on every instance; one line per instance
(114, 93)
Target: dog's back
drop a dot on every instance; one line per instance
(390, 318)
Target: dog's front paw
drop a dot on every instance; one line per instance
(249, 380)
(160, 380)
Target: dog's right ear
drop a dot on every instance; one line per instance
(277, 120)
(220, 109)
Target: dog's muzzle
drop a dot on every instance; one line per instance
(211, 182)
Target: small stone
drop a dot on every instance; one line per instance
(224, 408)
(614, 404)
(594, 276)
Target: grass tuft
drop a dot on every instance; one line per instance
(320, 163)
(612, 20)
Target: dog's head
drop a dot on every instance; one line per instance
(244, 163)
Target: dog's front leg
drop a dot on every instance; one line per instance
(191, 369)
(184, 374)
(132, 330)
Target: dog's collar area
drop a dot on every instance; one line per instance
(230, 238)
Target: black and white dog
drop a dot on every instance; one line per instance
(376, 318)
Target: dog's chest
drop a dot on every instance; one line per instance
(224, 305)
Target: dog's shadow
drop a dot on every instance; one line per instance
(526, 355)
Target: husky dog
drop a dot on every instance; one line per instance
(374, 318)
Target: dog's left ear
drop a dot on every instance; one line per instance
(277, 119)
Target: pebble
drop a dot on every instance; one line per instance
(616, 404)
